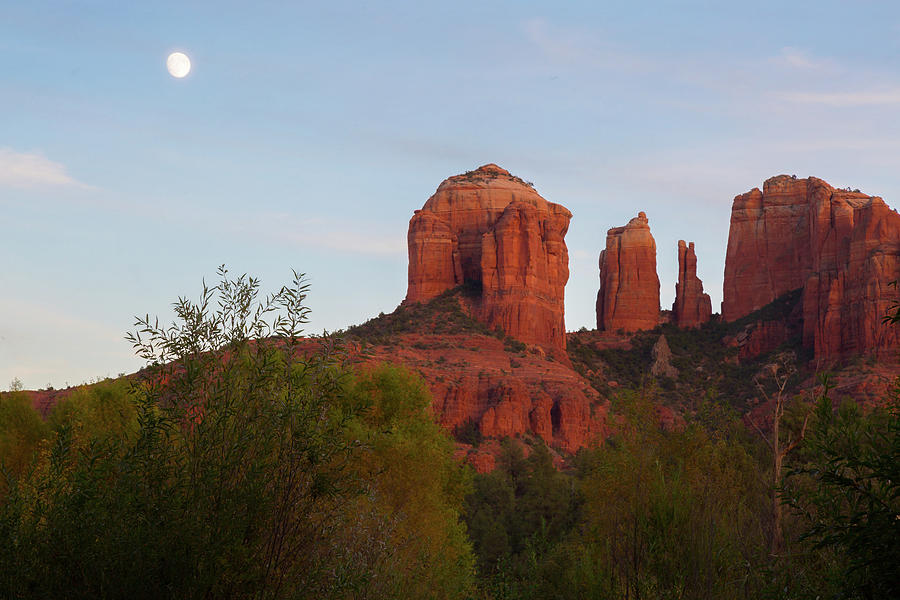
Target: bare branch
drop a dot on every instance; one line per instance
(761, 434)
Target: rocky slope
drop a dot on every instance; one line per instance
(629, 286)
(841, 247)
(494, 233)
(485, 385)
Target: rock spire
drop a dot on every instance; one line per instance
(692, 307)
(629, 286)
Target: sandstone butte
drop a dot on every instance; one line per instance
(494, 233)
(629, 286)
(842, 248)
(692, 307)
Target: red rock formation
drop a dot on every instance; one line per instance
(855, 255)
(692, 307)
(431, 242)
(761, 337)
(768, 246)
(841, 247)
(475, 380)
(629, 286)
(492, 230)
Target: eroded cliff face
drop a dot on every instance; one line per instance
(768, 246)
(434, 261)
(692, 307)
(493, 232)
(629, 286)
(842, 248)
(478, 384)
(855, 251)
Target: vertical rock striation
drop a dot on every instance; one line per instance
(768, 246)
(855, 253)
(494, 233)
(629, 286)
(841, 247)
(692, 307)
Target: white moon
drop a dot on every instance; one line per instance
(178, 64)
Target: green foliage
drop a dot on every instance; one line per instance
(513, 345)
(667, 515)
(21, 434)
(105, 409)
(415, 488)
(250, 464)
(468, 433)
(516, 516)
(706, 367)
(650, 514)
(847, 493)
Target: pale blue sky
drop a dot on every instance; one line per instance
(307, 133)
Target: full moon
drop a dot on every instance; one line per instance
(178, 64)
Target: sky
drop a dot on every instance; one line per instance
(307, 133)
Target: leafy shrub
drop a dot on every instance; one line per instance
(252, 465)
(847, 494)
(21, 433)
(468, 433)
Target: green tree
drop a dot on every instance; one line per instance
(517, 515)
(667, 514)
(105, 409)
(253, 464)
(848, 495)
(21, 432)
(415, 488)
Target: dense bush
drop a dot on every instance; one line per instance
(247, 466)
(650, 514)
(516, 516)
(668, 514)
(706, 367)
(21, 433)
(847, 493)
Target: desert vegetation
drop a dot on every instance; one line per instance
(687, 513)
(246, 460)
(235, 465)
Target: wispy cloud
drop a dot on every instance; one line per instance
(81, 346)
(557, 44)
(352, 242)
(345, 236)
(32, 170)
(799, 59)
(845, 99)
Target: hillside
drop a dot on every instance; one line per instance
(488, 386)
